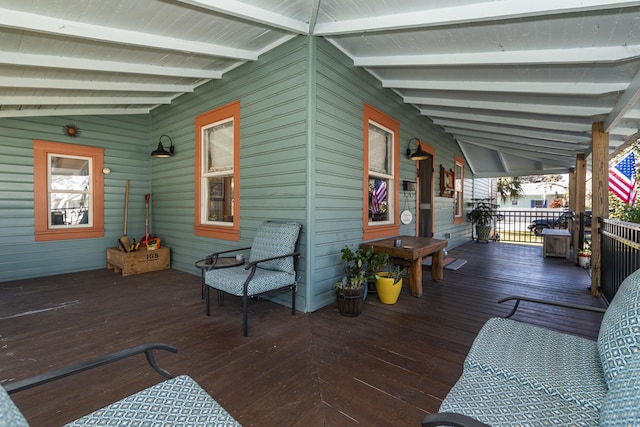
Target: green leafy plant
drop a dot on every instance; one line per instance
(481, 214)
(359, 266)
(395, 271)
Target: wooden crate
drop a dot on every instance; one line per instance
(138, 262)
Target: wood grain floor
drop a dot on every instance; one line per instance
(388, 367)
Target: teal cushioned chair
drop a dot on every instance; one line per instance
(272, 266)
(176, 402)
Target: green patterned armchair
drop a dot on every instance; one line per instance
(517, 374)
(176, 402)
(272, 266)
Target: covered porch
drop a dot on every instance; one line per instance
(390, 366)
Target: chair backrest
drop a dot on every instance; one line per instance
(619, 336)
(621, 406)
(10, 415)
(274, 239)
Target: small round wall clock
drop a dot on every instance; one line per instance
(406, 217)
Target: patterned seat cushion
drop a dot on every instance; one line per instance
(176, 402)
(622, 404)
(558, 364)
(10, 415)
(497, 401)
(619, 337)
(231, 280)
(274, 239)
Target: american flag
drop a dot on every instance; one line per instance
(378, 196)
(622, 179)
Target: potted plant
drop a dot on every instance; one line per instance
(389, 284)
(584, 257)
(481, 216)
(359, 267)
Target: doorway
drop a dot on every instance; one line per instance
(425, 175)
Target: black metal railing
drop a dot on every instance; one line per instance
(620, 254)
(525, 226)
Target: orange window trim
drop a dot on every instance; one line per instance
(371, 232)
(457, 160)
(232, 232)
(41, 191)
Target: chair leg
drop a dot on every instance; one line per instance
(206, 300)
(293, 300)
(202, 285)
(245, 304)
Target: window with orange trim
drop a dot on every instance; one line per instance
(458, 187)
(217, 189)
(381, 171)
(68, 191)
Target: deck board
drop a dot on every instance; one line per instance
(390, 366)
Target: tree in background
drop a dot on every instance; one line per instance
(509, 188)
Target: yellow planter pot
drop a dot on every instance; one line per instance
(388, 293)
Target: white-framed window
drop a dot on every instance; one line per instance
(381, 174)
(217, 173)
(70, 196)
(458, 187)
(381, 177)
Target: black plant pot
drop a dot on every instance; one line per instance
(350, 301)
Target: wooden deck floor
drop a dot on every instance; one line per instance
(388, 367)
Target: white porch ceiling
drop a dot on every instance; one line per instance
(516, 83)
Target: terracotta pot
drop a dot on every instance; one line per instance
(388, 292)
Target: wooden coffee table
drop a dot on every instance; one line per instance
(412, 251)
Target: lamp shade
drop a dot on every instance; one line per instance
(160, 151)
(419, 154)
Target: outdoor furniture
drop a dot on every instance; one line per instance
(410, 252)
(221, 262)
(520, 374)
(556, 242)
(272, 266)
(178, 401)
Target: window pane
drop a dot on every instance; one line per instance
(379, 150)
(458, 190)
(220, 199)
(69, 193)
(219, 146)
(378, 200)
(69, 173)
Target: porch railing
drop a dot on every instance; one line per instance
(620, 243)
(525, 226)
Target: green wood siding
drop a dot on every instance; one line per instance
(342, 90)
(125, 139)
(301, 148)
(273, 155)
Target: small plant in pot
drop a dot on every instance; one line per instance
(481, 216)
(359, 266)
(389, 284)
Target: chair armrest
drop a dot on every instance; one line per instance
(25, 384)
(255, 263)
(547, 302)
(451, 419)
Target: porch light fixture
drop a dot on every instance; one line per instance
(160, 151)
(419, 154)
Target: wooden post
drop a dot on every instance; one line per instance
(600, 196)
(580, 192)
